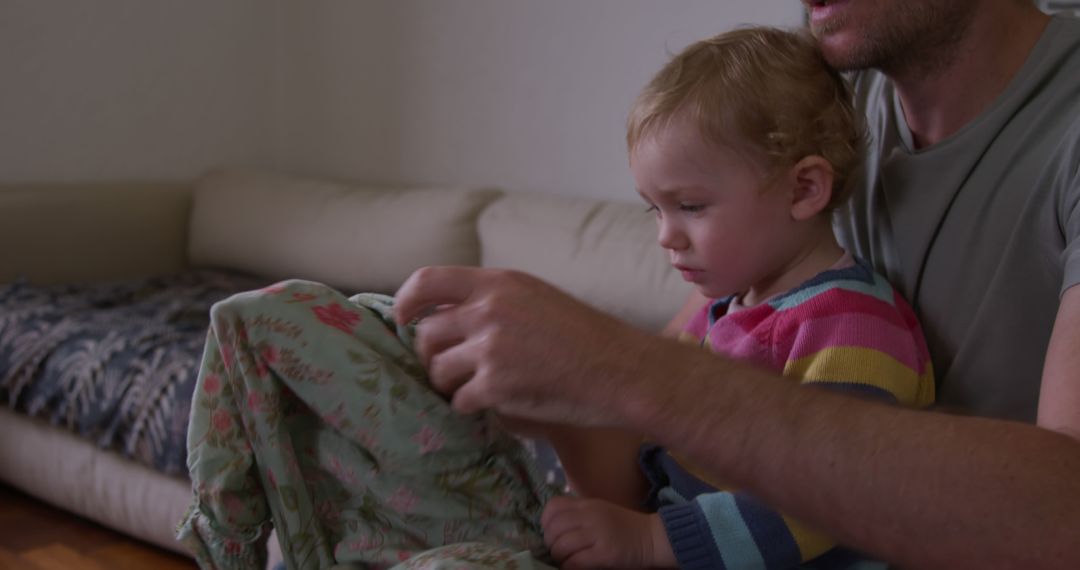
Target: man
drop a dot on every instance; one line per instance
(970, 205)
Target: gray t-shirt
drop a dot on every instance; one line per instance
(981, 231)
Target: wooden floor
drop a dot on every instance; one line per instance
(36, 536)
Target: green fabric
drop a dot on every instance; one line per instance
(981, 231)
(313, 414)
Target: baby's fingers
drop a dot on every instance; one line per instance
(556, 508)
(571, 545)
(562, 527)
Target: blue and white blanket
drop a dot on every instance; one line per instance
(113, 362)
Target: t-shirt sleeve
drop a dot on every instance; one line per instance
(1067, 179)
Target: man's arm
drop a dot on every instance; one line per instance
(1059, 398)
(919, 489)
(602, 462)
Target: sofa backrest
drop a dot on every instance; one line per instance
(356, 238)
(603, 252)
(65, 232)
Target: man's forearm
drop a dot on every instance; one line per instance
(919, 489)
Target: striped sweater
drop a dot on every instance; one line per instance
(846, 329)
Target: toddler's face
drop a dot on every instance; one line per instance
(724, 230)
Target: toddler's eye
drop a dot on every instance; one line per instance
(652, 210)
(691, 208)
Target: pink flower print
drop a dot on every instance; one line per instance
(233, 547)
(270, 353)
(365, 542)
(221, 421)
(403, 555)
(429, 440)
(272, 478)
(336, 417)
(233, 506)
(327, 512)
(366, 438)
(403, 500)
(337, 316)
(211, 384)
(254, 401)
(299, 297)
(227, 355)
(274, 289)
(341, 473)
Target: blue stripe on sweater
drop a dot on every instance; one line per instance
(733, 539)
(771, 534)
(851, 388)
(690, 537)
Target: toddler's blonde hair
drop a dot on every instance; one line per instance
(760, 90)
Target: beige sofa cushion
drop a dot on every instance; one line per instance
(602, 252)
(351, 237)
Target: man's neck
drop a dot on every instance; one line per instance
(938, 100)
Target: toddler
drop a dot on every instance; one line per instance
(742, 146)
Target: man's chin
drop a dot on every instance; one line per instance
(840, 50)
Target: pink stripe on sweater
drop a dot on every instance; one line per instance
(857, 330)
(731, 340)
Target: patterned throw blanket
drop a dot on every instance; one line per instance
(113, 362)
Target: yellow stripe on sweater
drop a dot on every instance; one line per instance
(811, 543)
(865, 366)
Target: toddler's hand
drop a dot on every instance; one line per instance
(590, 533)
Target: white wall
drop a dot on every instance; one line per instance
(519, 94)
(133, 89)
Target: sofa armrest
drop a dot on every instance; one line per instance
(52, 233)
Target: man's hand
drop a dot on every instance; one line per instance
(503, 340)
(591, 533)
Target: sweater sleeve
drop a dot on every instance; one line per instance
(867, 345)
(733, 530)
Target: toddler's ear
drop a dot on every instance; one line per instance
(812, 180)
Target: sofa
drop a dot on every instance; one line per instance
(155, 244)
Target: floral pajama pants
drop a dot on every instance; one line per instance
(313, 415)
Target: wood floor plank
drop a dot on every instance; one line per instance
(126, 556)
(37, 536)
(59, 557)
(10, 561)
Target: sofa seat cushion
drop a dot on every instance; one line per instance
(354, 238)
(114, 362)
